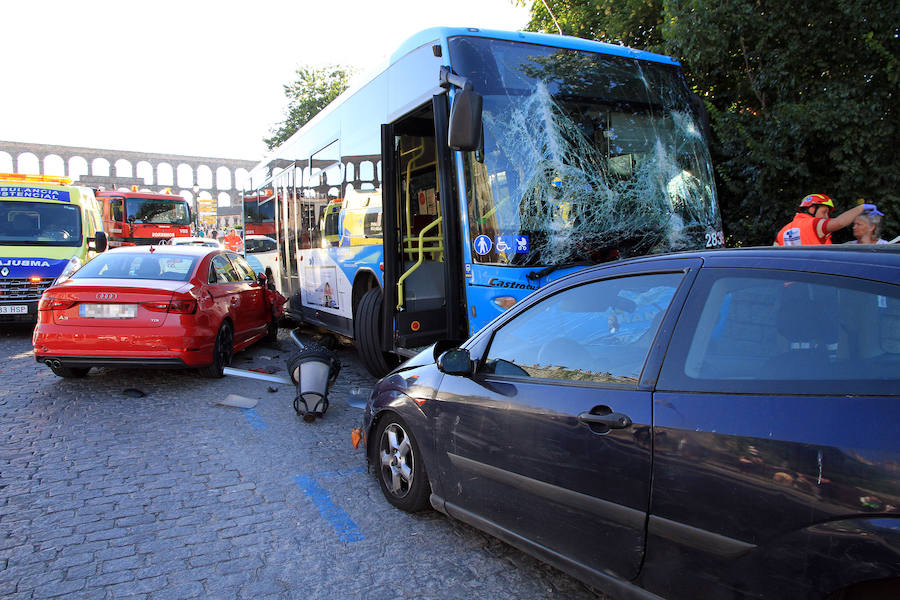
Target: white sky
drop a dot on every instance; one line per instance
(194, 77)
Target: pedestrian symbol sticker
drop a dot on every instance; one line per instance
(483, 244)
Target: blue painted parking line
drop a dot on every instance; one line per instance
(254, 419)
(343, 525)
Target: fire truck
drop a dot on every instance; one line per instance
(259, 214)
(140, 218)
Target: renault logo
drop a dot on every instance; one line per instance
(107, 296)
(4, 271)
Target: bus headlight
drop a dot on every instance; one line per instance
(504, 302)
(73, 265)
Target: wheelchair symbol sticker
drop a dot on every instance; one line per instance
(503, 243)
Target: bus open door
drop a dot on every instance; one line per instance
(423, 253)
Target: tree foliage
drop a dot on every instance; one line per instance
(629, 22)
(312, 91)
(803, 97)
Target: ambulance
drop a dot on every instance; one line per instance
(48, 229)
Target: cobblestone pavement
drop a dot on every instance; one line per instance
(170, 495)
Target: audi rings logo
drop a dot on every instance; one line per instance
(107, 296)
(4, 271)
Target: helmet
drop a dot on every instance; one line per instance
(816, 200)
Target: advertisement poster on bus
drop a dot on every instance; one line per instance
(321, 284)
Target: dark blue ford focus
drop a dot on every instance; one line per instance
(718, 424)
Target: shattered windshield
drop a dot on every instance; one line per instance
(587, 157)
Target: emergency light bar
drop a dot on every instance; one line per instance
(55, 179)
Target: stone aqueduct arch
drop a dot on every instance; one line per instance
(219, 178)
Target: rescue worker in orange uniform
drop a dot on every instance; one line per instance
(813, 225)
(233, 241)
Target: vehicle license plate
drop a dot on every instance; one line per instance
(13, 309)
(107, 311)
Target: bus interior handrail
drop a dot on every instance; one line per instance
(418, 263)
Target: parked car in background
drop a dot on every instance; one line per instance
(193, 241)
(153, 306)
(261, 252)
(717, 424)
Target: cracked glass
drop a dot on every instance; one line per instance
(586, 157)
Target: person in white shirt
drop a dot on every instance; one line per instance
(867, 229)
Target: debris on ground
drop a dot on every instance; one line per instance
(238, 401)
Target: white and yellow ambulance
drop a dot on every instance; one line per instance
(48, 229)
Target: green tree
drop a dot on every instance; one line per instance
(802, 96)
(803, 100)
(633, 23)
(313, 89)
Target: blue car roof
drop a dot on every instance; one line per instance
(880, 262)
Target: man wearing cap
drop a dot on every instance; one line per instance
(813, 225)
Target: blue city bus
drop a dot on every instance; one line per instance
(475, 167)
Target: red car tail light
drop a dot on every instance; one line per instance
(182, 307)
(162, 306)
(51, 303)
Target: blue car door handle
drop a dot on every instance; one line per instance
(603, 416)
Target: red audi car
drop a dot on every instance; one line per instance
(155, 306)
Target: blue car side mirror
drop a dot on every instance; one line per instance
(455, 362)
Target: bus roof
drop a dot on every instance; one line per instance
(441, 35)
(544, 39)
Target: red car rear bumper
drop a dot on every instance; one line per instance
(151, 347)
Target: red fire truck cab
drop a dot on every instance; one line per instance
(139, 218)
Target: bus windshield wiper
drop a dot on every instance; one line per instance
(534, 275)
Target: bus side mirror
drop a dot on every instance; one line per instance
(465, 121)
(100, 242)
(702, 115)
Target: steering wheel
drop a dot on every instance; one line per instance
(562, 352)
(58, 235)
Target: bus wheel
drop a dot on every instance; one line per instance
(367, 331)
